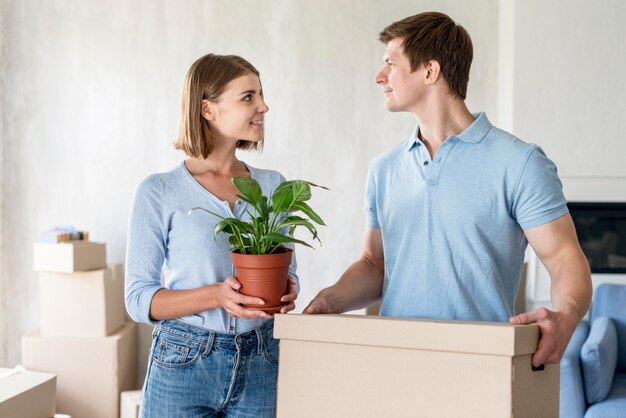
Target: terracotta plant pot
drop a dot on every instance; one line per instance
(263, 276)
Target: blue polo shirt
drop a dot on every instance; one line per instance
(452, 226)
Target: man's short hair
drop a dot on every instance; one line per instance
(207, 78)
(435, 36)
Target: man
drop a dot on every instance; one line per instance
(451, 210)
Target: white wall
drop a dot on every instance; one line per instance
(91, 100)
(569, 97)
(3, 340)
(89, 96)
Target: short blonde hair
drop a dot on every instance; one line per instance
(206, 79)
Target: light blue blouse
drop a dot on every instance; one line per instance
(167, 248)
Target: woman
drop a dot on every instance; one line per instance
(210, 356)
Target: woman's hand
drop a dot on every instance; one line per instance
(231, 300)
(290, 297)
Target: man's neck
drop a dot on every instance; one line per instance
(439, 119)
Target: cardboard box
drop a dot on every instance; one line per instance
(91, 371)
(69, 256)
(82, 304)
(24, 393)
(131, 402)
(144, 342)
(363, 366)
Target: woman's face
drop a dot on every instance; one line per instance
(239, 111)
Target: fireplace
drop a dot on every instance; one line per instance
(601, 230)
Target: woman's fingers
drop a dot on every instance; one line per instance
(288, 307)
(233, 282)
(233, 300)
(240, 312)
(248, 300)
(292, 293)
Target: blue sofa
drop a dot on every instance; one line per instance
(593, 368)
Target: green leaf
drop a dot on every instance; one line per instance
(237, 244)
(223, 226)
(233, 226)
(308, 211)
(281, 199)
(294, 221)
(245, 199)
(277, 238)
(315, 185)
(285, 185)
(290, 192)
(264, 208)
(249, 188)
(301, 191)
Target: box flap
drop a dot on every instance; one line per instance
(14, 382)
(494, 338)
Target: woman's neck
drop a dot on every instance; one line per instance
(222, 162)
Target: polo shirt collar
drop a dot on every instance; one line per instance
(474, 133)
(477, 130)
(413, 138)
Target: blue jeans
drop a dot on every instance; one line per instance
(193, 372)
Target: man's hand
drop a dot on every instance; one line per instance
(556, 329)
(231, 300)
(360, 285)
(290, 297)
(319, 305)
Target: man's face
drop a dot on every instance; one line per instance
(402, 88)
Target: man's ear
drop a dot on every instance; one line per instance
(433, 71)
(207, 109)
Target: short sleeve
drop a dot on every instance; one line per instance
(369, 206)
(538, 197)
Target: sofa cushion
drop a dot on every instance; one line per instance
(609, 299)
(614, 406)
(572, 393)
(598, 358)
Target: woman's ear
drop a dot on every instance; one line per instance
(433, 70)
(207, 109)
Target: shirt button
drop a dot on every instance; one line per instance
(425, 162)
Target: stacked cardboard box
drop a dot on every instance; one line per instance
(24, 393)
(84, 338)
(131, 402)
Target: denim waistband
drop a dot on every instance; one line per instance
(217, 339)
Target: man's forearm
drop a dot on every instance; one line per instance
(360, 286)
(571, 286)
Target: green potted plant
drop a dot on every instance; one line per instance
(259, 255)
